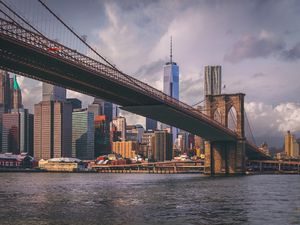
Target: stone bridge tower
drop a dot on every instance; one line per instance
(226, 157)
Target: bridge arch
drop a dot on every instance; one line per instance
(227, 108)
(232, 119)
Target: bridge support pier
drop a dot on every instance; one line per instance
(225, 158)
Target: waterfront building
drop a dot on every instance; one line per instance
(120, 124)
(52, 129)
(171, 84)
(83, 131)
(63, 164)
(9, 160)
(212, 80)
(151, 124)
(291, 147)
(75, 102)
(127, 149)
(102, 140)
(162, 146)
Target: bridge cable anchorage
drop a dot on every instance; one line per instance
(92, 49)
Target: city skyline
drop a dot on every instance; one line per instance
(271, 106)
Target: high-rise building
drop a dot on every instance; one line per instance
(108, 109)
(213, 80)
(52, 130)
(75, 102)
(171, 84)
(16, 95)
(83, 134)
(17, 133)
(96, 109)
(291, 147)
(102, 136)
(120, 123)
(162, 146)
(5, 98)
(5, 91)
(151, 124)
(11, 133)
(53, 93)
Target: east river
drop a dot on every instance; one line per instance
(62, 198)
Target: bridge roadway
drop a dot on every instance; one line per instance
(27, 53)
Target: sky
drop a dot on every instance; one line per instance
(256, 42)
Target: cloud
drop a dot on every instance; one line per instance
(268, 120)
(151, 72)
(292, 54)
(258, 75)
(249, 46)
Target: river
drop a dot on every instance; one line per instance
(81, 199)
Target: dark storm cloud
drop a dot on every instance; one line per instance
(292, 54)
(249, 46)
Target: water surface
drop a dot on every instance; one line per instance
(70, 198)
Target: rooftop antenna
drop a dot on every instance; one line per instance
(171, 50)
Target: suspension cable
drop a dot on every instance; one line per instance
(250, 128)
(92, 49)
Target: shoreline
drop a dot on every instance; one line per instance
(21, 170)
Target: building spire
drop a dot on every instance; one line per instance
(171, 50)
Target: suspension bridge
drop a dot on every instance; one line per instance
(31, 51)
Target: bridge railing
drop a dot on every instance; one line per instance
(39, 42)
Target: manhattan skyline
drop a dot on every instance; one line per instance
(258, 58)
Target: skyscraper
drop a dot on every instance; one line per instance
(151, 124)
(11, 133)
(5, 91)
(171, 77)
(53, 124)
(171, 83)
(213, 80)
(291, 147)
(17, 133)
(75, 102)
(162, 146)
(83, 134)
(5, 98)
(108, 109)
(16, 95)
(53, 93)
(102, 138)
